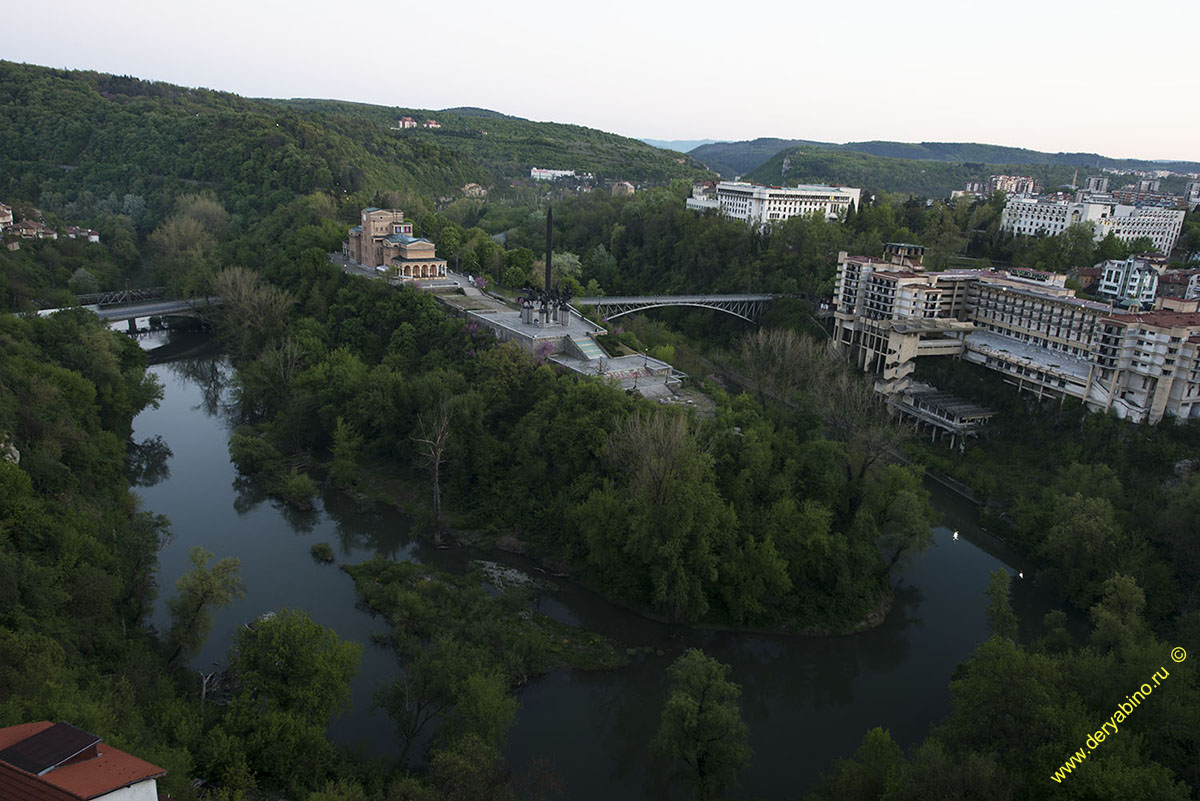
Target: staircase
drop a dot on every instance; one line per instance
(587, 347)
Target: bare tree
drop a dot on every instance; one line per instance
(433, 432)
(284, 359)
(649, 448)
(254, 313)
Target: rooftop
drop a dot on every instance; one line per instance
(988, 342)
(1161, 319)
(57, 762)
(405, 239)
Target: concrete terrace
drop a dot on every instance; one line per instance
(987, 343)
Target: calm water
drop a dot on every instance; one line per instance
(806, 701)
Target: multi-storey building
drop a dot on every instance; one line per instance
(1031, 215)
(1097, 183)
(754, 203)
(1013, 184)
(1191, 194)
(384, 240)
(1027, 326)
(1148, 364)
(1136, 197)
(1132, 281)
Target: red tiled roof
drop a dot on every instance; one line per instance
(111, 770)
(1161, 318)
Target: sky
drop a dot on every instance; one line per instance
(1119, 79)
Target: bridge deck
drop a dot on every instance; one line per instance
(613, 300)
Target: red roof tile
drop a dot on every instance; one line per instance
(1162, 319)
(111, 770)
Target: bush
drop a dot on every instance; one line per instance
(298, 491)
(322, 552)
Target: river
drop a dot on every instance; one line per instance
(806, 701)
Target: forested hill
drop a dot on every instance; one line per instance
(86, 140)
(74, 137)
(509, 146)
(935, 179)
(740, 158)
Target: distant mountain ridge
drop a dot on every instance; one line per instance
(740, 158)
(679, 145)
(918, 177)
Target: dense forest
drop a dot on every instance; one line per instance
(784, 510)
(509, 146)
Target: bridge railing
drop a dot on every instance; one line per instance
(122, 296)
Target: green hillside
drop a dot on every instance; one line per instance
(509, 146)
(877, 174)
(93, 145)
(740, 158)
(90, 139)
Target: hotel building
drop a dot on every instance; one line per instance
(1031, 215)
(1023, 324)
(754, 203)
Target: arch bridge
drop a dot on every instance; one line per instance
(747, 307)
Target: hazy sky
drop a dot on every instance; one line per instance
(1120, 79)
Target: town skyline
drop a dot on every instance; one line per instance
(914, 74)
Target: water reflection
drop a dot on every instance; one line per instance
(210, 374)
(149, 461)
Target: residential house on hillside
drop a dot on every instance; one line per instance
(432, 124)
(31, 229)
(6, 218)
(57, 762)
(75, 232)
(404, 123)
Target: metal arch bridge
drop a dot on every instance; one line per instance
(747, 307)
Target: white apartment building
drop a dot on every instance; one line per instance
(538, 174)
(1031, 215)
(1133, 281)
(754, 203)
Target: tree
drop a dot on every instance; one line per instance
(346, 445)
(433, 432)
(297, 666)
(184, 257)
(200, 590)
(701, 724)
(484, 707)
(254, 314)
(1001, 618)
(863, 777)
